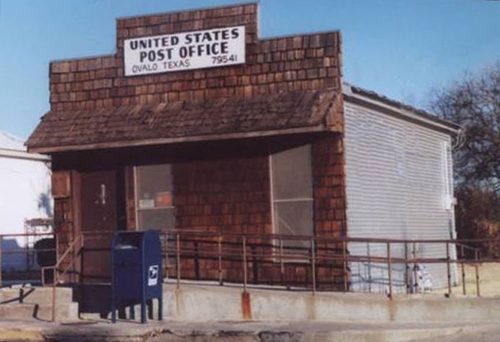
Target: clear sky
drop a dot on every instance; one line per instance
(400, 48)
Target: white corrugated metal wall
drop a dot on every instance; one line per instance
(398, 176)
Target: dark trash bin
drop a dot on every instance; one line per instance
(136, 271)
(46, 256)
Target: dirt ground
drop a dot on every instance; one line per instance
(489, 280)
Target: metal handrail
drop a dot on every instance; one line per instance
(268, 248)
(72, 247)
(61, 259)
(279, 250)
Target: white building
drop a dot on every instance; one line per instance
(399, 186)
(24, 194)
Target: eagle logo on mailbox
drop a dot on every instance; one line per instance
(153, 275)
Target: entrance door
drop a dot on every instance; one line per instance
(99, 222)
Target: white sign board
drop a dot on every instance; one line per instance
(153, 275)
(184, 51)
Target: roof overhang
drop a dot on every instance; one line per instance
(163, 141)
(262, 115)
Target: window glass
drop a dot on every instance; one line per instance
(154, 197)
(292, 192)
(292, 173)
(294, 218)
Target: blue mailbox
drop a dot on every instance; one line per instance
(136, 271)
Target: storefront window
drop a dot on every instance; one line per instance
(154, 197)
(292, 193)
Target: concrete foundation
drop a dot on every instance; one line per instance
(213, 303)
(195, 302)
(208, 312)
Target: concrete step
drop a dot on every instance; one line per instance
(36, 302)
(35, 295)
(23, 311)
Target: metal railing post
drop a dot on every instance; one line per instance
(448, 269)
(178, 259)
(27, 253)
(73, 263)
(165, 248)
(282, 266)
(476, 266)
(82, 246)
(344, 259)
(407, 269)
(415, 278)
(463, 269)
(196, 260)
(54, 283)
(389, 268)
(219, 249)
(55, 280)
(313, 266)
(255, 265)
(54, 302)
(56, 238)
(368, 255)
(244, 264)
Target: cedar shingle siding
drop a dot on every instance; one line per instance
(290, 83)
(298, 63)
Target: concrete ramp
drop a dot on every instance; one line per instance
(247, 332)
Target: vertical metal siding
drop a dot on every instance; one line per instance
(395, 189)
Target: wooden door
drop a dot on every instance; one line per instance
(99, 222)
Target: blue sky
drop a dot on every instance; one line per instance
(400, 48)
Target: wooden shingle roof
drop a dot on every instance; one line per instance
(223, 118)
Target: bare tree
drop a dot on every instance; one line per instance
(474, 103)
